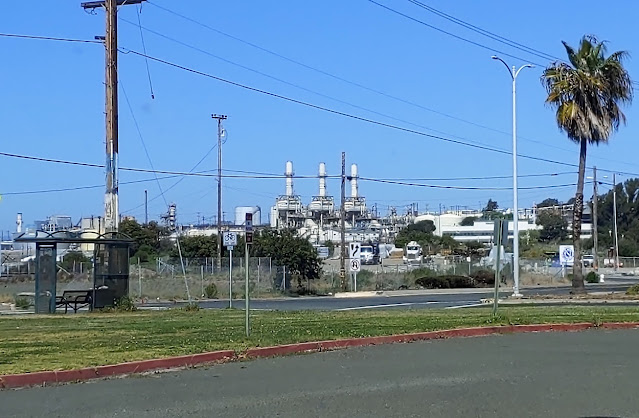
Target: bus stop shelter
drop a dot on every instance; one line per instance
(110, 265)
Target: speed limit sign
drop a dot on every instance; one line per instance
(355, 265)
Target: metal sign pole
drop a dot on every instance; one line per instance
(230, 277)
(356, 281)
(246, 292)
(498, 237)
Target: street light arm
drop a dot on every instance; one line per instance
(522, 67)
(495, 57)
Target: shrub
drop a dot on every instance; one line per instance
(22, 302)
(211, 291)
(125, 304)
(484, 277)
(434, 282)
(191, 307)
(422, 272)
(592, 277)
(459, 282)
(445, 282)
(633, 290)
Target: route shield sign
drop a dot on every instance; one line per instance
(230, 239)
(355, 264)
(566, 254)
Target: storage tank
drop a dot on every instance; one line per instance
(241, 211)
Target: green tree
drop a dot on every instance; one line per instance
(420, 232)
(75, 258)
(468, 221)
(491, 206)
(548, 202)
(149, 239)
(587, 93)
(554, 226)
(288, 249)
(197, 247)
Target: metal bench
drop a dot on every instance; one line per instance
(75, 299)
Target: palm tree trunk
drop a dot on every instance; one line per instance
(577, 273)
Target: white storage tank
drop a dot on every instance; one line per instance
(241, 211)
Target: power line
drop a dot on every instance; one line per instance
(486, 33)
(73, 189)
(348, 115)
(481, 178)
(297, 86)
(452, 34)
(50, 38)
(434, 186)
(326, 73)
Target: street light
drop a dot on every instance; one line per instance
(514, 72)
(614, 215)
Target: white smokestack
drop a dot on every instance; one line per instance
(322, 180)
(289, 178)
(354, 180)
(19, 223)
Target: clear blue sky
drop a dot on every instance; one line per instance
(53, 101)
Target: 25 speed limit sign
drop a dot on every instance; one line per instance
(355, 265)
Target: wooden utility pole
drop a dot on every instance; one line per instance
(220, 131)
(342, 257)
(111, 201)
(594, 219)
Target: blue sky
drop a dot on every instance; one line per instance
(53, 101)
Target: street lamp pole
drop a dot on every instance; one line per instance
(614, 210)
(514, 72)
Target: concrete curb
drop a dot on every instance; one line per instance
(64, 376)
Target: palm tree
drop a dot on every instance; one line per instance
(587, 93)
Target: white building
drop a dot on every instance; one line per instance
(450, 223)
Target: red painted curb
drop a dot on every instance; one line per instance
(619, 325)
(62, 376)
(282, 350)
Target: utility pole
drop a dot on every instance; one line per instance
(342, 257)
(111, 200)
(146, 207)
(614, 210)
(594, 218)
(220, 131)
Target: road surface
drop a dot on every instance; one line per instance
(580, 374)
(452, 299)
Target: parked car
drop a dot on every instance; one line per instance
(588, 260)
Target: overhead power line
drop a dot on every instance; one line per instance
(297, 86)
(294, 85)
(50, 38)
(326, 73)
(461, 38)
(486, 33)
(436, 186)
(347, 115)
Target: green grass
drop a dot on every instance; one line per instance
(59, 342)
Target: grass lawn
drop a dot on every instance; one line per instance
(33, 343)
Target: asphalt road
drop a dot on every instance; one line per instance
(581, 374)
(452, 299)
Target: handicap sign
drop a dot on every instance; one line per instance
(566, 254)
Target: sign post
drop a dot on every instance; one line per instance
(354, 255)
(501, 230)
(230, 241)
(248, 229)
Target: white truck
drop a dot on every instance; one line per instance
(412, 253)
